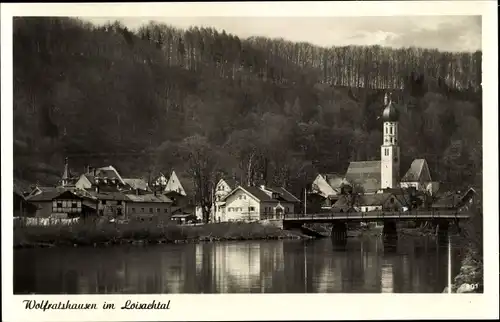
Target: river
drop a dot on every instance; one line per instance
(416, 265)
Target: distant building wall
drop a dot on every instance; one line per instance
(160, 209)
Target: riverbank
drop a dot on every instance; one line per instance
(104, 234)
(470, 278)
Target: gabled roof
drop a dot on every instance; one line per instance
(333, 179)
(285, 194)
(262, 196)
(185, 182)
(232, 183)
(149, 198)
(364, 173)
(108, 172)
(50, 195)
(137, 183)
(418, 172)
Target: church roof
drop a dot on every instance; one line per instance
(364, 173)
(418, 172)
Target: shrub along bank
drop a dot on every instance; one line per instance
(105, 233)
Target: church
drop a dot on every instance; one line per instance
(376, 177)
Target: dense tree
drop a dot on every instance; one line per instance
(262, 109)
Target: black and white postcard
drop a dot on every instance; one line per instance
(249, 161)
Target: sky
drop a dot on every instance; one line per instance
(445, 33)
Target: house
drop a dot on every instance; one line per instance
(182, 216)
(101, 179)
(257, 203)
(418, 176)
(222, 189)
(22, 207)
(110, 203)
(370, 202)
(456, 200)
(182, 186)
(60, 204)
(148, 206)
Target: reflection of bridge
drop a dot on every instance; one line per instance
(389, 218)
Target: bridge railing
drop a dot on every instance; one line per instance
(430, 214)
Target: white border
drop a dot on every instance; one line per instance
(271, 306)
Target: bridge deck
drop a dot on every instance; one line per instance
(377, 215)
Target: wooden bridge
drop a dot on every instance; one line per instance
(339, 219)
(423, 215)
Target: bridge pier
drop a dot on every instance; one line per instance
(442, 229)
(390, 230)
(339, 231)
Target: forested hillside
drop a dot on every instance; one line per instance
(209, 103)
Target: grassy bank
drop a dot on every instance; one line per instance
(92, 234)
(471, 278)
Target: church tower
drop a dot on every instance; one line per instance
(65, 176)
(390, 146)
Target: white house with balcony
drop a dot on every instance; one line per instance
(258, 203)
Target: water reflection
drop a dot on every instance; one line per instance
(356, 266)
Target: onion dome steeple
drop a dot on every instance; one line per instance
(390, 113)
